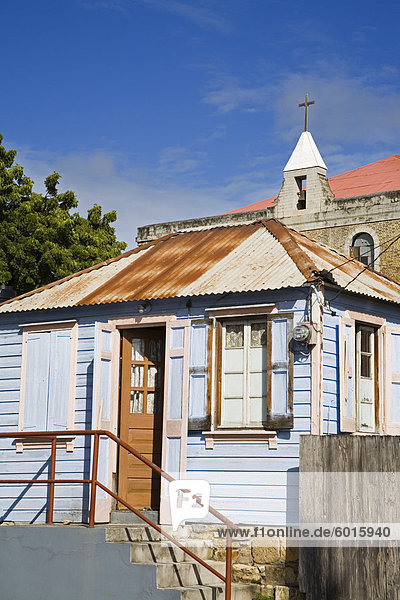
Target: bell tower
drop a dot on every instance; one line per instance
(305, 187)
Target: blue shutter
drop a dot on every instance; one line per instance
(36, 381)
(279, 373)
(60, 351)
(199, 408)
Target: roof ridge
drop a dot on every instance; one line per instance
(289, 244)
(341, 255)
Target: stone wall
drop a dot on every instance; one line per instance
(264, 560)
(340, 237)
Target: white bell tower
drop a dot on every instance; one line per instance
(305, 187)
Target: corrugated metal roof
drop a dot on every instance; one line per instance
(264, 255)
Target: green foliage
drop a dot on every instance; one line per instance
(263, 597)
(41, 240)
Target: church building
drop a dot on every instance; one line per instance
(356, 212)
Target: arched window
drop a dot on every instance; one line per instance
(362, 248)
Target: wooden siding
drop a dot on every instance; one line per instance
(265, 480)
(28, 503)
(330, 385)
(251, 483)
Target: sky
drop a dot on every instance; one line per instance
(172, 109)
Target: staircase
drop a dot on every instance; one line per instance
(176, 570)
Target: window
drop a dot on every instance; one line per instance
(362, 248)
(365, 367)
(301, 184)
(48, 377)
(366, 377)
(254, 381)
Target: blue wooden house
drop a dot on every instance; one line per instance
(209, 351)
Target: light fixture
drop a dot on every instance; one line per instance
(144, 307)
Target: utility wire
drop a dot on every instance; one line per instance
(365, 268)
(352, 258)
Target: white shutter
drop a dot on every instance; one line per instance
(59, 390)
(392, 380)
(37, 353)
(199, 406)
(347, 375)
(279, 372)
(175, 421)
(105, 373)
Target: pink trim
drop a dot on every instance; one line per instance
(43, 327)
(178, 427)
(389, 427)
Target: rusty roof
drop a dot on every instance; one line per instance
(264, 255)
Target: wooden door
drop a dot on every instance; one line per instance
(141, 415)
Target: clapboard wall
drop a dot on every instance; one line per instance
(251, 483)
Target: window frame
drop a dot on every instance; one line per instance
(353, 319)
(272, 422)
(247, 323)
(367, 237)
(66, 441)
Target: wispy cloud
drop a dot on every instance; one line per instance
(179, 160)
(229, 94)
(194, 12)
(143, 196)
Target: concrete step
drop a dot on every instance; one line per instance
(126, 517)
(239, 592)
(187, 574)
(165, 552)
(131, 533)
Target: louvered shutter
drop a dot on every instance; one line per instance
(176, 384)
(347, 375)
(199, 417)
(36, 381)
(59, 379)
(392, 378)
(279, 372)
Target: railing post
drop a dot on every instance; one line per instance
(93, 486)
(52, 478)
(228, 571)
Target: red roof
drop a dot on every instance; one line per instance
(380, 176)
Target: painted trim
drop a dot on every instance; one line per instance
(141, 321)
(365, 318)
(347, 424)
(248, 436)
(216, 391)
(384, 370)
(389, 428)
(49, 325)
(175, 428)
(241, 311)
(317, 397)
(68, 442)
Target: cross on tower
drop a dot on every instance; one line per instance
(306, 104)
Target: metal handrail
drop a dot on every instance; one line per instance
(94, 483)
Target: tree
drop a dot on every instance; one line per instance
(41, 240)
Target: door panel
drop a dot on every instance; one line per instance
(141, 414)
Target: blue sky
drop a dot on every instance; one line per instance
(166, 109)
